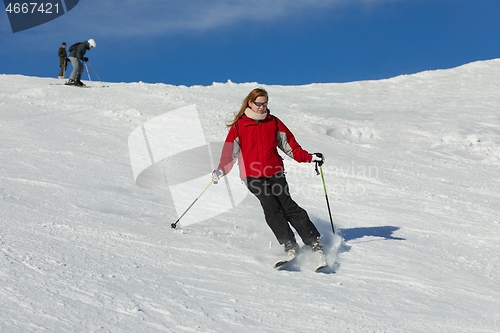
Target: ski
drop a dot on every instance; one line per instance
(292, 263)
(68, 85)
(322, 264)
(320, 268)
(71, 85)
(285, 263)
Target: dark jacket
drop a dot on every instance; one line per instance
(62, 56)
(80, 50)
(62, 52)
(255, 143)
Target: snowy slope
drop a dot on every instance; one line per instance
(412, 173)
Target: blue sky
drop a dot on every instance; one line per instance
(283, 42)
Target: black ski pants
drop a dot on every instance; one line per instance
(280, 210)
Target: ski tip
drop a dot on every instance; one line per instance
(280, 263)
(286, 264)
(321, 268)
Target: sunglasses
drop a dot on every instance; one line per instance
(259, 104)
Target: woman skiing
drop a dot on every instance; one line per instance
(253, 138)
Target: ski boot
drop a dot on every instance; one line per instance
(291, 248)
(317, 248)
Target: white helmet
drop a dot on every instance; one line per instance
(91, 42)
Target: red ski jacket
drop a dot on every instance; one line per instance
(254, 144)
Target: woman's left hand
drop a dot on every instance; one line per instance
(319, 158)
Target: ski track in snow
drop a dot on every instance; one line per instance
(412, 177)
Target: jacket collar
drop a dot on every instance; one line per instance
(256, 116)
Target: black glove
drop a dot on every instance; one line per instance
(85, 59)
(318, 158)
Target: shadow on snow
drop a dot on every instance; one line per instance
(349, 234)
(385, 232)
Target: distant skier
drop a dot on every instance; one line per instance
(76, 56)
(253, 138)
(63, 60)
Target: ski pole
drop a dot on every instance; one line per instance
(174, 225)
(320, 172)
(88, 73)
(95, 73)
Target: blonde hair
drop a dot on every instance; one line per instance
(251, 97)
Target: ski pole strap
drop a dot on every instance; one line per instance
(316, 168)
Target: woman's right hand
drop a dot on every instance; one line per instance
(217, 175)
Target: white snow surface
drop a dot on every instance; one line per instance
(413, 179)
